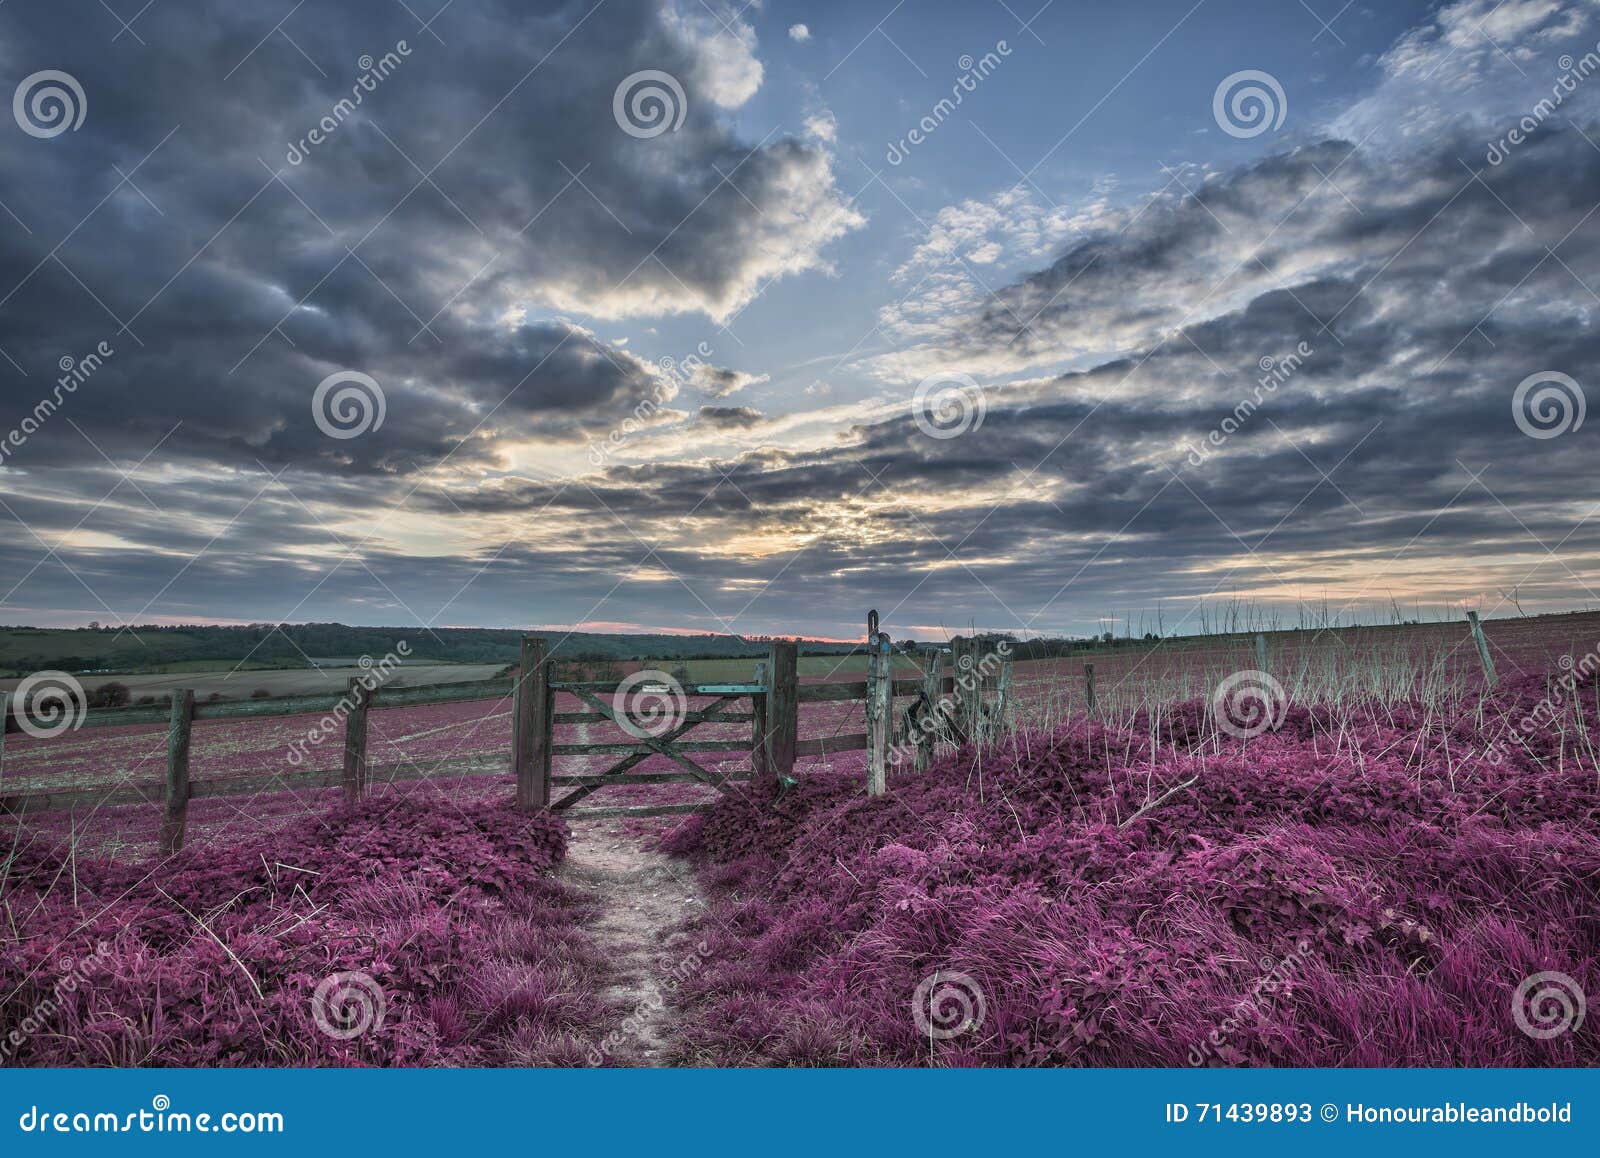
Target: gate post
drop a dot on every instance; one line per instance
(783, 706)
(176, 818)
(880, 705)
(355, 743)
(532, 722)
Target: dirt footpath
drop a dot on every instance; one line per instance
(645, 897)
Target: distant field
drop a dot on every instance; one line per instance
(294, 682)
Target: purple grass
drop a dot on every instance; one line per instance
(217, 957)
(1362, 888)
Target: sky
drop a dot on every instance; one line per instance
(1048, 318)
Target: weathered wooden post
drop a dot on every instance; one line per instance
(176, 818)
(880, 708)
(532, 725)
(1261, 652)
(1088, 689)
(758, 726)
(783, 706)
(5, 725)
(968, 688)
(1483, 649)
(354, 776)
(1002, 698)
(931, 723)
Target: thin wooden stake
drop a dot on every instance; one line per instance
(354, 777)
(1088, 689)
(880, 705)
(1483, 649)
(759, 767)
(1002, 699)
(176, 818)
(928, 735)
(532, 726)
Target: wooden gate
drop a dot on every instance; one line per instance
(772, 715)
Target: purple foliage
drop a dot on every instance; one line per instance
(1361, 888)
(215, 956)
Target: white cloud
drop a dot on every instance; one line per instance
(822, 125)
(799, 33)
(719, 382)
(726, 68)
(1476, 60)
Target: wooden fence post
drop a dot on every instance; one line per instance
(1483, 648)
(1088, 689)
(932, 691)
(880, 706)
(532, 725)
(783, 706)
(759, 768)
(176, 818)
(968, 687)
(1002, 698)
(1261, 652)
(5, 725)
(354, 776)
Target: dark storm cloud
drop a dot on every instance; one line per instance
(731, 417)
(485, 173)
